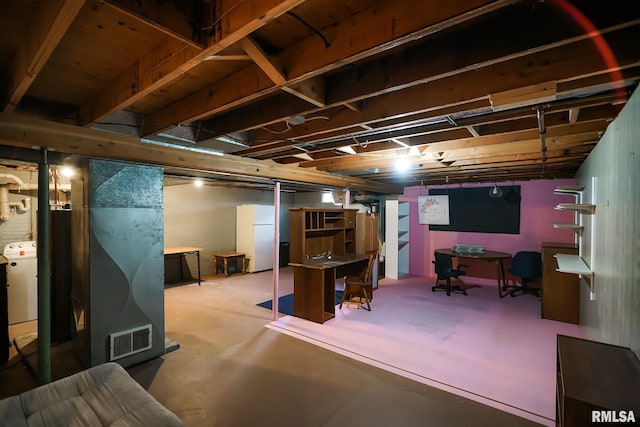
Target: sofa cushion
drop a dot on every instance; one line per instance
(104, 395)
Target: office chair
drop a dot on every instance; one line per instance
(445, 271)
(359, 289)
(527, 265)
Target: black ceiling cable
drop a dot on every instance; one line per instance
(306, 24)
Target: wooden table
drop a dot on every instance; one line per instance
(181, 251)
(314, 284)
(489, 256)
(225, 257)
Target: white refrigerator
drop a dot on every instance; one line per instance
(255, 235)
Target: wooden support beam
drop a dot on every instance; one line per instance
(28, 132)
(311, 90)
(50, 23)
(573, 115)
(172, 58)
(377, 81)
(271, 68)
(356, 38)
(175, 20)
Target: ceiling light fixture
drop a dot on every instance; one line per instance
(67, 172)
(402, 163)
(495, 192)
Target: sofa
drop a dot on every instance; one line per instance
(103, 395)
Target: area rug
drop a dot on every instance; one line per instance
(285, 303)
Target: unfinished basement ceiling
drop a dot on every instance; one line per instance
(326, 92)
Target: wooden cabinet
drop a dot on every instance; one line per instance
(366, 232)
(396, 239)
(317, 231)
(560, 291)
(595, 380)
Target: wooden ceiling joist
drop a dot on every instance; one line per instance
(27, 133)
(50, 23)
(168, 61)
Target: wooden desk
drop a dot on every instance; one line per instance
(225, 257)
(314, 284)
(181, 251)
(489, 256)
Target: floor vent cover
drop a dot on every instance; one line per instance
(131, 341)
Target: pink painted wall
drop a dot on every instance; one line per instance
(537, 216)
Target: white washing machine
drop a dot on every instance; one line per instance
(22, 281)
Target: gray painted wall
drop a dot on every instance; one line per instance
(205, 217)
(614, 253)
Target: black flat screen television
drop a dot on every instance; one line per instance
(472, 210)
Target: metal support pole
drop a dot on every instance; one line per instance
(44, 273)
(276, 248)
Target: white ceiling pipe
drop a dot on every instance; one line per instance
(5, 209)
(5, 205)
(14, 178)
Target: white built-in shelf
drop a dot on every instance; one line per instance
(572, 264)
(584, 207)
(569, 189)
(569, 226)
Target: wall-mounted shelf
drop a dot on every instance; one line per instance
(583, 207)
(569, 226)
(569, 189)
(574, 264)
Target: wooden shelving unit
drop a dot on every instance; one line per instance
(316, 231)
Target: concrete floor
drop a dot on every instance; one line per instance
(232, 371)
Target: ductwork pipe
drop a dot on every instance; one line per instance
(14, 178)
(5, 209)
(5, 205)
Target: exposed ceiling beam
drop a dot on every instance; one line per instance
(425, 65)
(28, 133)
(271, 68)
(172, 58)
(51, 21)
(353, 39)
(311, 90)
(179, 20)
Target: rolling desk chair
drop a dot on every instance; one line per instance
(527, 265)
(445, 271)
